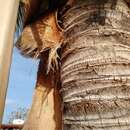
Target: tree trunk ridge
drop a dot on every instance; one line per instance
(95, 66)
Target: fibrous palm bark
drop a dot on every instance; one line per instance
(95, 66)
(94, 72)
(45, 113)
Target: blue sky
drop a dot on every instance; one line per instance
(21, 83)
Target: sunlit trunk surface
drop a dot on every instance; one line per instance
(95, 66)
(45, 112)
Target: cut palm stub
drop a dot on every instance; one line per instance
(40, 36)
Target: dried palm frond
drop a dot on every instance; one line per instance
(38, 29)
(42, 35)
(31, 10)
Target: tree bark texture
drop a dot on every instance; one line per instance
(95, 65)
(45, 113)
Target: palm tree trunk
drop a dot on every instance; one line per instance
(45, 113)
(95, 67)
